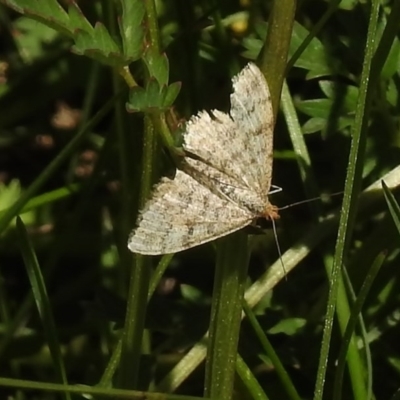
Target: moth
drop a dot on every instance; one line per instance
(225, 178)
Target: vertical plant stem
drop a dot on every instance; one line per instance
(275, 51)
(351, 194)
(134, 324)
(251, 383)
(229, 285)
(151, 14)
(139, 281)
(158, 119)
(125, 169)
(140, 277)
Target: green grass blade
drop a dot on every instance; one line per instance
(283, 376)
(351, 192)
(393, 205)
(300, 148)
(249, 380)
(47, 198)
(93, 391)
(355, 312)
(364, 338)
(113, 363)
(42, 302)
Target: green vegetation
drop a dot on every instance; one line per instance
(93, 96)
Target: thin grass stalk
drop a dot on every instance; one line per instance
(355, 362)
(351, 194)
(283, 376)
(333, 5)
(139, 282)
(393, 206)
(351, 324)
(140, 276)
(41, 297)
(86, 391)
(113, 363)
(300, 149)
(249, 380)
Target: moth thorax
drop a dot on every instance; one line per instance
(270, 212)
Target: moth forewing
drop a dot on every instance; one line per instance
(226, 182)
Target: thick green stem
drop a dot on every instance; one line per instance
(230, 279)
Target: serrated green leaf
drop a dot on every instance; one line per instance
(252, 46)
(94, 42)
(314, 58)
(145, 100)
(261, 29)
(104, 40)
(153, 92)
(348, 93)
(47, 9)
(157, 65)
(137, 100)
(317, 124)
(48, 12)
(77, 20)
(316, 107)
(132, 28)
(172, 92)
(163, 96)
(152, 98)
(99, 46)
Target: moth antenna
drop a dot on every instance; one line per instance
(297, 203)
(278, 246)
(284, 208)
